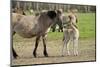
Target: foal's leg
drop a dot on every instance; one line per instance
(66, 41)
(36, 45)
(64, 47)
(75, 46)
(44, 44)
(75, 42)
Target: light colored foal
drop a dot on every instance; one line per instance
(71, 34)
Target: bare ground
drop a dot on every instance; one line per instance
(24, 48)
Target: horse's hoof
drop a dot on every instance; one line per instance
(62, 55)
(46, 55)
(15, 56)
(34, 54)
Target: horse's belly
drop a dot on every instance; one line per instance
(26, 35)
(25, 31)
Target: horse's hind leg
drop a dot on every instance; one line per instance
(13, 33)
(36, 45)
(44, 44)
(13, 51)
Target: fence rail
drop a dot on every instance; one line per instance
(38, 6)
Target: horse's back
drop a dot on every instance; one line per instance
(26, 25)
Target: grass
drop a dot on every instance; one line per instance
(86, 24)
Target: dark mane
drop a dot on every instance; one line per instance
(51, 14)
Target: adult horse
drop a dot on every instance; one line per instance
(33, 26)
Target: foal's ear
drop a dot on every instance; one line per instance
(51, 14)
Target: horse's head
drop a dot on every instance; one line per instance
(55, 15)
(59, 16)
(52, 14)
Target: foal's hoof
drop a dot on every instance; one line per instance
(75, 54)
(68, 54)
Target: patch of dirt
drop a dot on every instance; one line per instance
(25, 48)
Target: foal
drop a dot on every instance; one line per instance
(71, 33)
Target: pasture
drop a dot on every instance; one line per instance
(87, 44)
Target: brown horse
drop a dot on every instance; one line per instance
(33, 26)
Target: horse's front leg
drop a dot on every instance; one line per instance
(36, 45)
(13, 51)
(44, 44)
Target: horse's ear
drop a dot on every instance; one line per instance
(51, 14)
